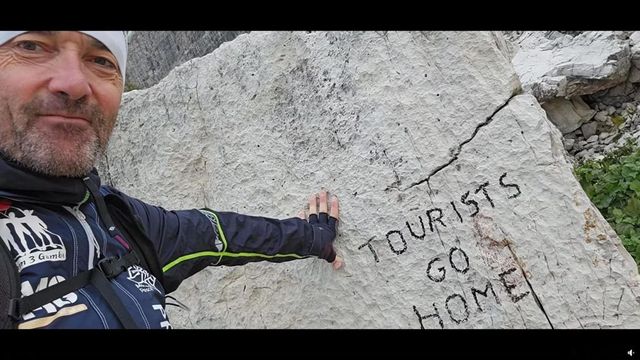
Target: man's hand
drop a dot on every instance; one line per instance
(317, 216)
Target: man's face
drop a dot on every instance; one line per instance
(59, 99)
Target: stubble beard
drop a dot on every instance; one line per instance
(63, 150)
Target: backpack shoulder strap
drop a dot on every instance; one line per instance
(9, 286)
(129, 224)
(99, 276)
(120, 219)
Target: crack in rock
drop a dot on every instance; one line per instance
(533, 292)
(459, 147)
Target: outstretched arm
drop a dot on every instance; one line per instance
(189, 240)
(240, 239)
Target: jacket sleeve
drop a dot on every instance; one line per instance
(189, 240)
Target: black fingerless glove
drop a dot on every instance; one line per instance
(324, 233)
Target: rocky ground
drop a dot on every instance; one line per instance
(617, 119)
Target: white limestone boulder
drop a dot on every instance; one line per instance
(458, 207)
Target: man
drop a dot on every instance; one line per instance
(86, 255)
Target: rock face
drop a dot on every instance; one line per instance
(568, 115)
(153, 54)
(566, 66)
(458, 206)
(634, 72)
(601, 71)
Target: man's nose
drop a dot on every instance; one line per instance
(69, 78)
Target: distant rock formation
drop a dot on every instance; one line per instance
(153, 54)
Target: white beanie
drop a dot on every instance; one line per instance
(115, 41)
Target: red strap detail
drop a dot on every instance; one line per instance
(122, 241)
(5, 204)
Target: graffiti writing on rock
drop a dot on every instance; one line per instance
(397, 239)
(455, 308)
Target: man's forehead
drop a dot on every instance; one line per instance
(93, 41)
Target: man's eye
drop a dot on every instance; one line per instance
(28, 45)
(102, 61)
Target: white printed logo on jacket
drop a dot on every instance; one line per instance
(144, 281)
(27, 235)
(61, 307)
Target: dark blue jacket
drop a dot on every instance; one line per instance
(52, 228)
